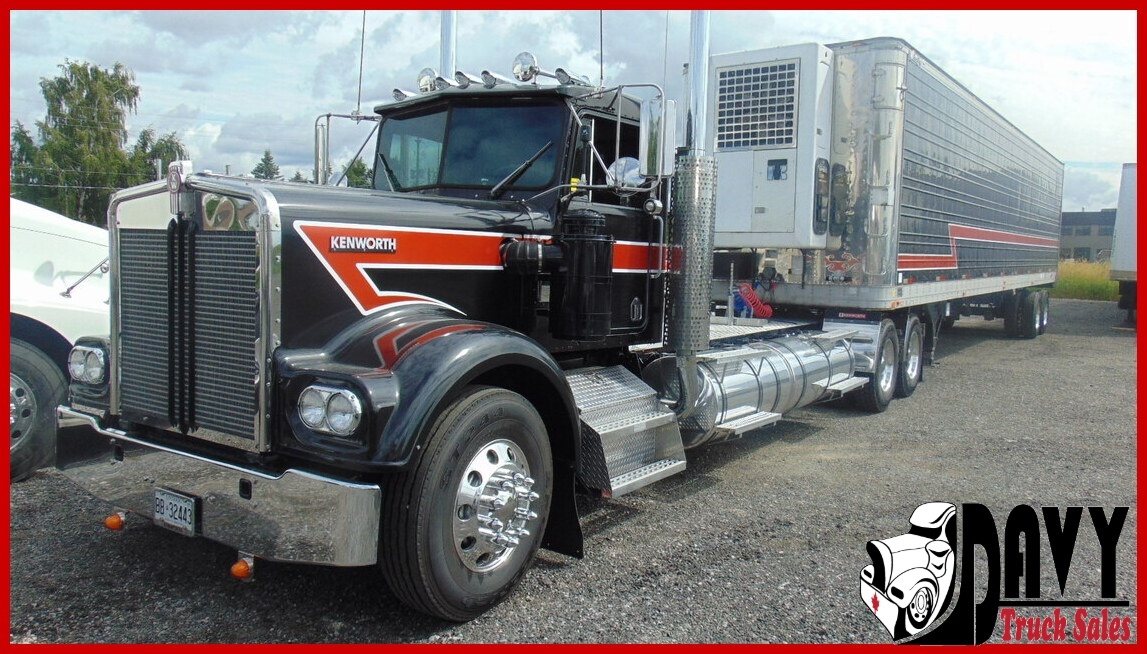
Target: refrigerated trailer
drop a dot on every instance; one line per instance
(861, 180)
(1123, 245)
(422, 375)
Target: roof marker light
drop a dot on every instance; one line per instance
(490, 80)
(465, 79)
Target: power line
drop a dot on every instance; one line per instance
(94, 188)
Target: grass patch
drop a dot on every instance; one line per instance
(1083, 280)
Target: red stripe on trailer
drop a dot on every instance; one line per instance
(951, 260)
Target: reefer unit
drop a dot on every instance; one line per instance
(899, 185)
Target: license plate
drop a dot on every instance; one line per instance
(177, 511)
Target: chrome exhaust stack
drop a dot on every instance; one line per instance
(691, 237)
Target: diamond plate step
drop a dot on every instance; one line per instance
(645, 475)
(628, 438)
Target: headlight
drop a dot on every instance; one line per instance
(331, 410)
(87, 364)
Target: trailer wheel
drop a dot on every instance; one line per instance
(36, 387)
(1011, 309)
(1044, 310)
(911, 369)
(1029, 314)
(460, 528)
(877, 394)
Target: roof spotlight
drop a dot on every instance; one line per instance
(441, 83)
(525, 67)
(490, 80)
(465, 79)
(400, 94)
(426, 80)
(568, 78)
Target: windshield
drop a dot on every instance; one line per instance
(470, 146)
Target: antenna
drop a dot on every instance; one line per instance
(601, 47)
(361, 52)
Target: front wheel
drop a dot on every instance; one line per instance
(461, 527)
(919, 610)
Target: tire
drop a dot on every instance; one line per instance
(1029, 314)
(1044, 310)
(489, 443)
(911, 369)
(919, 611)
(877, 394)
(1011, 309)
(37, 387)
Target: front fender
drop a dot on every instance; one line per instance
(408, 365)
(902, 588)
(431, 373)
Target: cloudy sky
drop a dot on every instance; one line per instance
(233, 83)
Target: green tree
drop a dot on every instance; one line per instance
(301, 178)
(148, 148)
(28, 178)
(358, 175)
(266, 168)
(79, 159)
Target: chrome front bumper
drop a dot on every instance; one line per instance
(295, 516)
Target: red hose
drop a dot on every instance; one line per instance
(760, 309)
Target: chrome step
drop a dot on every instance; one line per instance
(833, 335)
(746, 423)
(846, 386)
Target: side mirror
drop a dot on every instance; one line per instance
(658, 137)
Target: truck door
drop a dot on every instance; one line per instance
(637, 296)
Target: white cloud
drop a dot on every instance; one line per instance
(236, 82)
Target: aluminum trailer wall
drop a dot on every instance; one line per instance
(933, 195)
(1123, 264)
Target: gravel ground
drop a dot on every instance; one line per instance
(760, 540)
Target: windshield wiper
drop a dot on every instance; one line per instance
(496, 192)
(390, 177)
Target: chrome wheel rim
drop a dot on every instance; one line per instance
(492, 506)
(22, 409)
(886, 374)
(915, 348)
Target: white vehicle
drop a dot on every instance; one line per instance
(1123, 246)
(59, 291)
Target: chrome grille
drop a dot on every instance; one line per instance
(189, 322)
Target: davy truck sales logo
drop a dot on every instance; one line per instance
(912, 578)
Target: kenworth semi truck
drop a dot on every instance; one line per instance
(541, 297)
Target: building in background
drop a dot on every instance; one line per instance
(1086, 235)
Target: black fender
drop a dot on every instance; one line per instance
(42, 337)
(417, 361)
